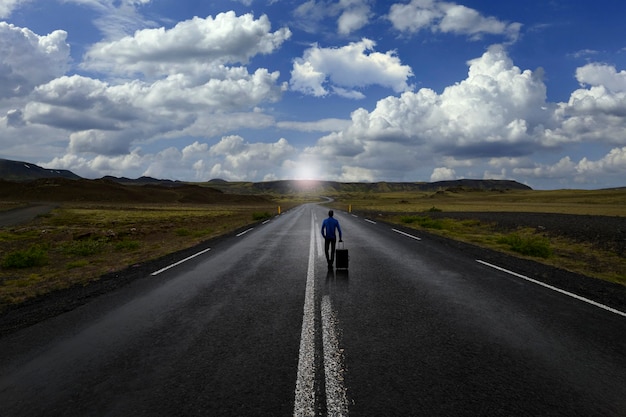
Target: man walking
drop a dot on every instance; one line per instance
(330, 239)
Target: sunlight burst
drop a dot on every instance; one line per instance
(306, 171)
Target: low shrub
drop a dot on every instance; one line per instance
(182, 232)
(84, 247)
(423, 221)
(528, 245)
(33, 256)
(261, 216)
(409, 219)
(77, 264)
(127, 245)
(202, 232)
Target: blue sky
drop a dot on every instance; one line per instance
(347, 90)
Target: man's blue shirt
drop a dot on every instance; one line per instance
(328, 228)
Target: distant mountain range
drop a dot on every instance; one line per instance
(294, 186)
(21, 172)
(25, 171)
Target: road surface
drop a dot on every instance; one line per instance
(19, 215)
(258, 326)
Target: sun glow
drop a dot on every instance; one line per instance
(306, 171)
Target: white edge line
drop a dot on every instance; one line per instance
(179, 262)
(543, 284)
(354, 215)
(244, 232)
(406, 234)
(266, 221)
(304, 403)
(336, 396)
(370, 221)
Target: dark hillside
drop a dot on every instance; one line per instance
(24, 171)
(107, 191)
(295, 186)
(477, 185)
(143, 181)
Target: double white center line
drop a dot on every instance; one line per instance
(305, 401)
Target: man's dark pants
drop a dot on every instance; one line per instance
(330, 243)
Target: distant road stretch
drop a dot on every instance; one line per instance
(258, 326)
(23, 214)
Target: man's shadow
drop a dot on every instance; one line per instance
(337, 279)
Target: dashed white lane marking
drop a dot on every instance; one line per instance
(305, 383)
(244, 232)
(370, 221)
(197, 254)
(179, 262)
(336, 398)
(543, 284)
(406, 234)
(266, 221)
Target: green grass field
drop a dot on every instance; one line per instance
(595, 202)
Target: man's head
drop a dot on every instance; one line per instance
(330, 213)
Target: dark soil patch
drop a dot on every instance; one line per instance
(606, 232)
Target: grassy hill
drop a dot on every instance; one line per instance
(285, 187)
(108, 191)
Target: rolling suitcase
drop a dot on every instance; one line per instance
(341, 256)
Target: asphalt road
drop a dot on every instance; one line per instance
(24, 214)
(258, 326)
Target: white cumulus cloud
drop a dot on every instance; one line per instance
(585, 171)
(28, 59)
(351, 15)
(199, 42)
(472, 121)
(596, 112)
(497, 107)
(7, 7)
(498, 110)
(109, 119)
(443, 174)
(185, 96)
(232, 158)
(355, 14)
(595, 74)
(448, 17)
(347, 68)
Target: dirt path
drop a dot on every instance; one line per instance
(23, 214)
